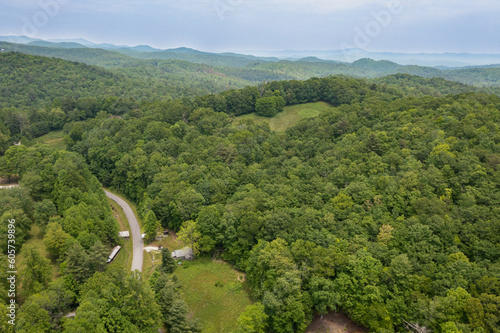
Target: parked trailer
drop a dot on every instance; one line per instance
(113, 254)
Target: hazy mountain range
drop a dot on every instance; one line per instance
(439, 60)
(215, 72)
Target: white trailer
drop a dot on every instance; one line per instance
(113, 254)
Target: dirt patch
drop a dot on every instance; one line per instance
(172, 234)
(54, 140)
(334, 323)
(219, 261)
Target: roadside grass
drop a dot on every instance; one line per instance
(54, 139)
(130, 203)
(124, 257)
(215, 293)
(290, 116)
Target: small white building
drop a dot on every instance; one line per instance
(184, 254)
(124, 234)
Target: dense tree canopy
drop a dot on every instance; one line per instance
(385, 207)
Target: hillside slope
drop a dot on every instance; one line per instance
(225, 71)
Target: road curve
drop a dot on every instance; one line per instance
(136, 231)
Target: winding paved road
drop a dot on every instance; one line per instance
(9, 186)
(136, 231)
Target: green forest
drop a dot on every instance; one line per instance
(384, 207)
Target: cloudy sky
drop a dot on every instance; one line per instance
(253, 25)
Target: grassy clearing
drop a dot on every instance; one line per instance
(290, 116)
(124, 257)
(215, 293)
(54, 139)
(171, 242)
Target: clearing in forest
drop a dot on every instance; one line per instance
(215, 293)
(54, 139)
(290, 116)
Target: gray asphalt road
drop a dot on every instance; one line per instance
(9, 186)
(136, 231)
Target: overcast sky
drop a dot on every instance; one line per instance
(250, 25)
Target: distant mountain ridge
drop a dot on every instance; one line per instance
(241, 69)
(420, 59)
(147, 52)
(438, 60)
(62, 45)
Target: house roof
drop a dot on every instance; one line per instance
(183, 253)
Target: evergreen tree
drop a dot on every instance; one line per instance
(76, 264)
(168, 263)
(98, 256)
(172, 306)
(36, 273)
(151, 225)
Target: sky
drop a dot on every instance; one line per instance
(408, 26)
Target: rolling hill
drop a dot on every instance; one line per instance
(27, 80)
(192, 69)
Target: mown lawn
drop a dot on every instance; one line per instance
(215, 293)
(290, 116)
(54, 139)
